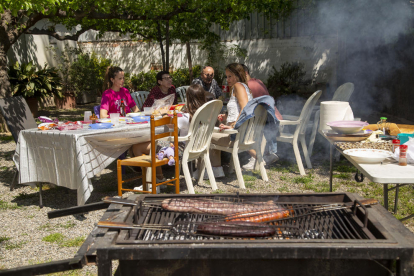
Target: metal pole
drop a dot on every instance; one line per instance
(330, 167)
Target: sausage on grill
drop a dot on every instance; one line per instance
(261, 216)
(213, 207)
(235, 229)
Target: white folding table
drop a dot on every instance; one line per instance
(386, 173)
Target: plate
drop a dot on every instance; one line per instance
(121, 119)
(368, 156)
(340, 137)
(100, 125)
(140, 119)
(132, 114)
(347, 127)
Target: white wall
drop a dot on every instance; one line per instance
(318, 53)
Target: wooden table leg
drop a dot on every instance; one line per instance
(330, 167)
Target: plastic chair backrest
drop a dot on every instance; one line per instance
(344, 92)
(201, 128)
(307, 111)
(97, 110)
(251, 131)
(17, 114)
(182, 93)
(140, 97)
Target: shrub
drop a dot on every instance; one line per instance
(144, 81)
(28, 82)
(286, 80)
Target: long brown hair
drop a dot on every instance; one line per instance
(195, 98)
(238, 70)
(110, 73)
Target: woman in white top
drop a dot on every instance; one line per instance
(239, 96)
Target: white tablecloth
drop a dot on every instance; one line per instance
(70, 158)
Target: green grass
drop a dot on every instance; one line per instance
(345, 169)
(4, 238)
(283, 178)
(68, 224)
(247, 177)
(303, 179)
(54, 238)
(218, 191)
(8, 206)
(342, 176)
(6, 138)
(76, 242)
(24, 196)
(46, 227)
(18, 245)
(249, 185)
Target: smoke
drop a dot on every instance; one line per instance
(369, 32)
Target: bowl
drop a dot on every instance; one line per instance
(368, 156)
(347, 127)
(135, 114)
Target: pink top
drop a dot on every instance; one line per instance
(258, 89)
(111, 100)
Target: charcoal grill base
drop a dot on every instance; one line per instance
(299, 267)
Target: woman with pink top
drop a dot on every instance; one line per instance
(115, 93)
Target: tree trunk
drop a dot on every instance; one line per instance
(161, 46)
(167, 45)
(5, 90)
(190, 62)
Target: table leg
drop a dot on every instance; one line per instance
(397, 189)
(330, 167)
(386, 196)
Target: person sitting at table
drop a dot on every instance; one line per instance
(258, 89)
(208, 82)
(114, 93)
(163, 88)
(239, 96)
(195, 96)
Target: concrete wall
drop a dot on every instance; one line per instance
(318, 53)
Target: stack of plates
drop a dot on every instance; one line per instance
(340, 137)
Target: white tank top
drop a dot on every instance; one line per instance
(233, 106)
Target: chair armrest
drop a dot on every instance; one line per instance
(287, 122)
(226, 131)
(290, 117)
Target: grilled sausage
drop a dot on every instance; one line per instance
(261, 216)
(213, 207)
(235, 229)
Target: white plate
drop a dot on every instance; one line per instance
(368, 156)
(132, 114)
(107, 120)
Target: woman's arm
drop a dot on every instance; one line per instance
(103, 113)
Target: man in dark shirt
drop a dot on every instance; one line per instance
(207, 81)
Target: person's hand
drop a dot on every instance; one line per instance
(223, 126)
(221, 117)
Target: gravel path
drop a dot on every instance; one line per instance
(28, 237)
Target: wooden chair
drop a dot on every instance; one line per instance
(140, 97)
(300, 131)
(249, 136)
(151, 161)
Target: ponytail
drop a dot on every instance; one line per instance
(110, 73)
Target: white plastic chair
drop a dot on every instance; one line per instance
(182, 93)
(249, 136)
(199, 138)
(140, 97)
(300, 131)
(343, 93)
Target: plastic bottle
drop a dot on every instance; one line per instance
(122, 108)
(403, 155)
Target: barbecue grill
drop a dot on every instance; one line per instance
(363, 240)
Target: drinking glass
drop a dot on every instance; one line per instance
(114, 118)
(87, 115)
(147, 110)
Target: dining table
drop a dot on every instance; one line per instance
(388, 173)
(71, 158)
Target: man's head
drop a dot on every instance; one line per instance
(246, 69)
(207, 74)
